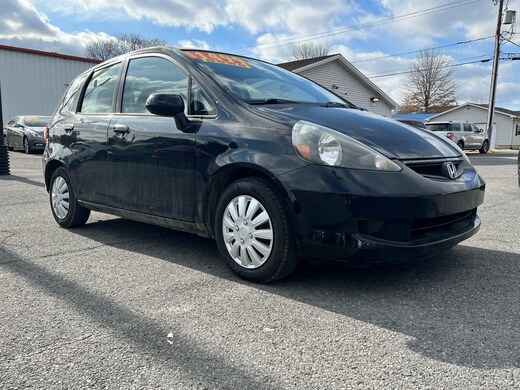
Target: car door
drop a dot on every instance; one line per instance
(470, 136)
(478, 136)
(151, 161)
(9, 131)
(17, 132)
(85, 133)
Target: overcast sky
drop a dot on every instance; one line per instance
(362, 30)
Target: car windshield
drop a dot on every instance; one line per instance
(437, 127)
(257, 82)
(40, 121)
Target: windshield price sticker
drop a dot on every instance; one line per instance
(218, 58)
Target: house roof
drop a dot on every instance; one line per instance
(309, 63)
(48, 54)
(500, 110)
(292, 65)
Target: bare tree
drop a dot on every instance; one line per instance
(309, 50)
(429, 87)
(104, 49)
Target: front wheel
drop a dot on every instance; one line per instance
(26, 146)
(485, 147)
(253, 231)
(460, 144)
(64, 205)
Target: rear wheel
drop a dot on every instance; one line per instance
(253, 231)
(64, 205)
(485, 147)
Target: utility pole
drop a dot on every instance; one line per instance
(494, 74)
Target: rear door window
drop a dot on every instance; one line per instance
(99, 93)
(454, 126)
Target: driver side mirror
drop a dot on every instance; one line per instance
(480, 130)
(168, 104)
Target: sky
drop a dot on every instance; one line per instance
(380, 37)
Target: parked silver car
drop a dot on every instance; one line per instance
(25, 133)
(465, 134)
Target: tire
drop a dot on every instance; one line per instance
(460, 144)
(485, 147)
(26, 146)
(65, 208)
(261, 251)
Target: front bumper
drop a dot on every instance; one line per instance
(36, 142)
(370, 217)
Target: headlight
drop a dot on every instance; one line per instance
(324, 146)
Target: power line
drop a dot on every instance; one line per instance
(510, 57)
(323, 34)
(418, 51)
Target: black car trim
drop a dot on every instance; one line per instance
(189, 227)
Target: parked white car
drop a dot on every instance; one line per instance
(465, 134)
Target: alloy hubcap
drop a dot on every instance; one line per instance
(247, 231)
(60, 197)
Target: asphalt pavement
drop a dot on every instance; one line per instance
(92, 307)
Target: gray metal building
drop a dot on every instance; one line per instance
(33, 81)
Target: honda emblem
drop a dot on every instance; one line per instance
(450, 170)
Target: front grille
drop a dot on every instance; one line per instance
(419, 230)
(425, 229)
(434, 168)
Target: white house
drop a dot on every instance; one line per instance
(338, 75)
(505, 122)
(33, 81)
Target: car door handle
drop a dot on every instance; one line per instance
(120, 129)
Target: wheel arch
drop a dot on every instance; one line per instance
(223, 178)
(49, 171)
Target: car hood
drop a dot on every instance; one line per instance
(387, 136)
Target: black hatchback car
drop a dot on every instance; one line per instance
(271, 165)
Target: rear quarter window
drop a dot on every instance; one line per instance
(72, 93)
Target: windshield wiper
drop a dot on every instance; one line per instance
(338, 104)
(270, 101)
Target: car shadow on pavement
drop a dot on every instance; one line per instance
(23, 180)
(134, 328)
(460, 308)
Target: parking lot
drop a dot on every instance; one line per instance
(92, 307)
